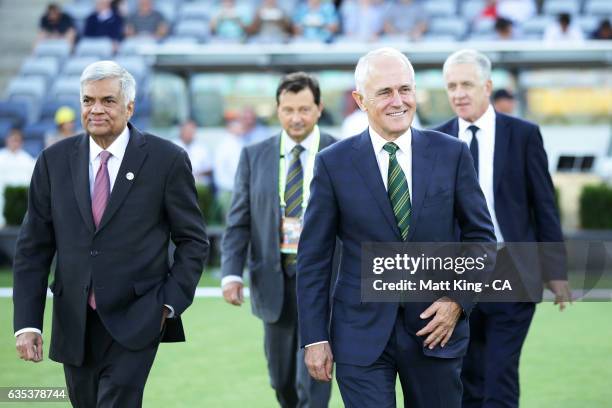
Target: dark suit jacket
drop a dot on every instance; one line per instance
(349, 201)
(126, 259)
(524, 197)
(253, 226)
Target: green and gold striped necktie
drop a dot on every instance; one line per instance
(397, 189)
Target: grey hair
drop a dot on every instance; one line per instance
(363, 66)
(100, 70)
(471, 57)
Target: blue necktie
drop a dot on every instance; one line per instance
(474, 145)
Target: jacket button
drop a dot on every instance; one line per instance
(94, 252)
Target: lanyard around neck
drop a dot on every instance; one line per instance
(308, 170)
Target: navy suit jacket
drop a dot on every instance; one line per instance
(349, 201)
(524, 197)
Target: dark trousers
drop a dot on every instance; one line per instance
(427, 382)
(111, 375)
(288, 374)
(490, 372)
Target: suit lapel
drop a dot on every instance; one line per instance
(135, 155)
(79, 168)
(272, 156)
(502, 139)
(365, 162)
(422, 167)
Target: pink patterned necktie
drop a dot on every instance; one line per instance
(99, 199)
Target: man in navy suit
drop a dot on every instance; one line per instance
(513, 173)
(352, 199)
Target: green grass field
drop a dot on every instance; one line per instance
(566, 363)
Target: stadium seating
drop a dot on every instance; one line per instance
(100, 47)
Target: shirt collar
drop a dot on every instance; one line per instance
(486, 121)
(289, 143)
(117, 148)
(404, 142)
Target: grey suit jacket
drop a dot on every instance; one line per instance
(253, 226)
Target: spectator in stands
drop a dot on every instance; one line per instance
(270, 23)
(504, 30)
(603, 32)
(105, 21)
(563, 30)
(229, 22)
(406, 18)
(201, 165)
(253, 130)
(55, 24)
(489, 11)
(504, 101)
(227, 155)
(516, 11)
(316, 20)
(146, 21)
(65, 125)
(363, 19)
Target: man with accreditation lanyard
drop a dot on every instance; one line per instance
(265, 221)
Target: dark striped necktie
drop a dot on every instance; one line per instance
(474, 145)
(295, 184)
(397, 189)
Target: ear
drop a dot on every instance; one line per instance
(130, 109)
(359, 100)
(320, 108)
(489, 87)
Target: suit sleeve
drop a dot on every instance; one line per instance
(541, 195)
(471, 213)
(315, 258)
(34, 252)
(188, 233)
(236, 239)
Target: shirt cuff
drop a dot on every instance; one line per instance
(171, 314)
(318, 342)
(229, 279)
(26, 330)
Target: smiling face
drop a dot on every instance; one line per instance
(104, 113)
(388, 96)
(468, 93)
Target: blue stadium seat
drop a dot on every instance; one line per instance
(75, 65)
(66, 89)
(37, 131)
(33, 146)
(534, 27)
(470, 9)
(30, 90)
(5, 127)
(50, 106)
(132, 46)
(483, 26)
(53, 48)
(172, 41)
(44, 66)
(100, 47)
(440, 8)
(556, 7)
(168, 9)
(192, 28)
(588, 24)
(79, 11)
(441, 27)
(15, 112)
(135, 65)
(601, 8)
(197, 10)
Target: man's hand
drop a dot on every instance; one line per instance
(165, 314)
(562, 291)
(29, 346)
(320, 361)
(232, 293)
(446, 312)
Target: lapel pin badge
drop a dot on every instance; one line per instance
(129, 175)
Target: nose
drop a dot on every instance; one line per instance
(396, 98)
(97, 107)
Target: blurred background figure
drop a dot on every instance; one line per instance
(146, 22)
(16, 165)
(504, 101)
(201, 165)
(504, 30)
(489, 11)
(55, 24)
(562, 30)
(355, 120)
(316, 20)
(363, 19)
(229, 22)
(105, 21)
(253, 130)
(603, 31)
(227, 155)
(407, 19)
(271, 24)
(65, 126)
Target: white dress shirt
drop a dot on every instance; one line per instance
(486, 153)
(289, 144)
